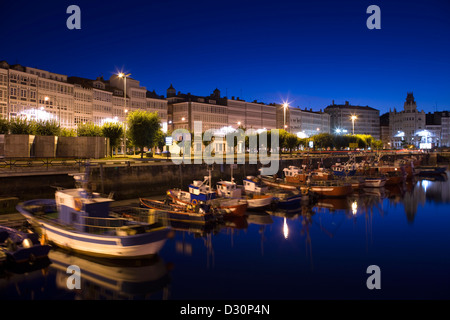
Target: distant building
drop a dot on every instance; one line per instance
(367, 119)
(407, 126)
(302, 122)
(445, 128)
(251, 115)
(185, 109)
(384, 131)
(37, 94)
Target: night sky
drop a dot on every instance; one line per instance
(306, 52)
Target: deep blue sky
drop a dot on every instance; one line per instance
(308, 52)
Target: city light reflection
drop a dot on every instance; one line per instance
(285, 229)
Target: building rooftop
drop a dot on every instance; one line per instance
(348, 105)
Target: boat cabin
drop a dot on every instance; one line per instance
(293, 174)
(251, 184)
(228, 189)
(75, 208)
(201, 191)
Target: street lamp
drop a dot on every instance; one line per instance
(353, 123)
(285, 106)
(124, 76)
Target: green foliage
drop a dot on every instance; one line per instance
(292, 142)
(377, 144)
(65, 132)
(46, 128)
(4, 126)
(114, 132)
(160, 140)
(21, 126)
(323, 140)
(143, 127)
(89, 130)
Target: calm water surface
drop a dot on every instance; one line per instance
(322, 251)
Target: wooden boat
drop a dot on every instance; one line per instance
(296, 175)
(278, 183)
(230, 190)
(228, 206)
(321, 174)
(82, 221)
(17, 246)
(200, 213)
(374, 182)
(330, 188)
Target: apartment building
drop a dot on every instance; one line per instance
(302, 122)
(251, 115)
(346, 118)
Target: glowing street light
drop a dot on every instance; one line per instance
(353, 123)
(285, 106)
(124, 76)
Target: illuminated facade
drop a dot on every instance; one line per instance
(302, 122)
(366, 121)
(407, 126)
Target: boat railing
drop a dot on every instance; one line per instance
(124, 217)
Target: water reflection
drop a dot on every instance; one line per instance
(100, 279)
(105, 280)
(341, 231)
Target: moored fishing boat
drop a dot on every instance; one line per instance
(230, 190)
(321, 174)
(82, 221)
(278, 183)
(200, 213)
(201, 192)
(17, 246)
(296, 175)
(330, 188)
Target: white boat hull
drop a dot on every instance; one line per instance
(101, 246)
(259, 203)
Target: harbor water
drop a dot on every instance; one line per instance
(322, 250)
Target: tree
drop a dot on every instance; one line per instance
(160, 139)
(292, 141)
(323, 140)
(114, 132)
(89, 130)
(143, 127)
(377, 144)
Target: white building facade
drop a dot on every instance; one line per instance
(349, 119)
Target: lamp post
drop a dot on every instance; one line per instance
(285, 106)
(124, 76)
(353, 124)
